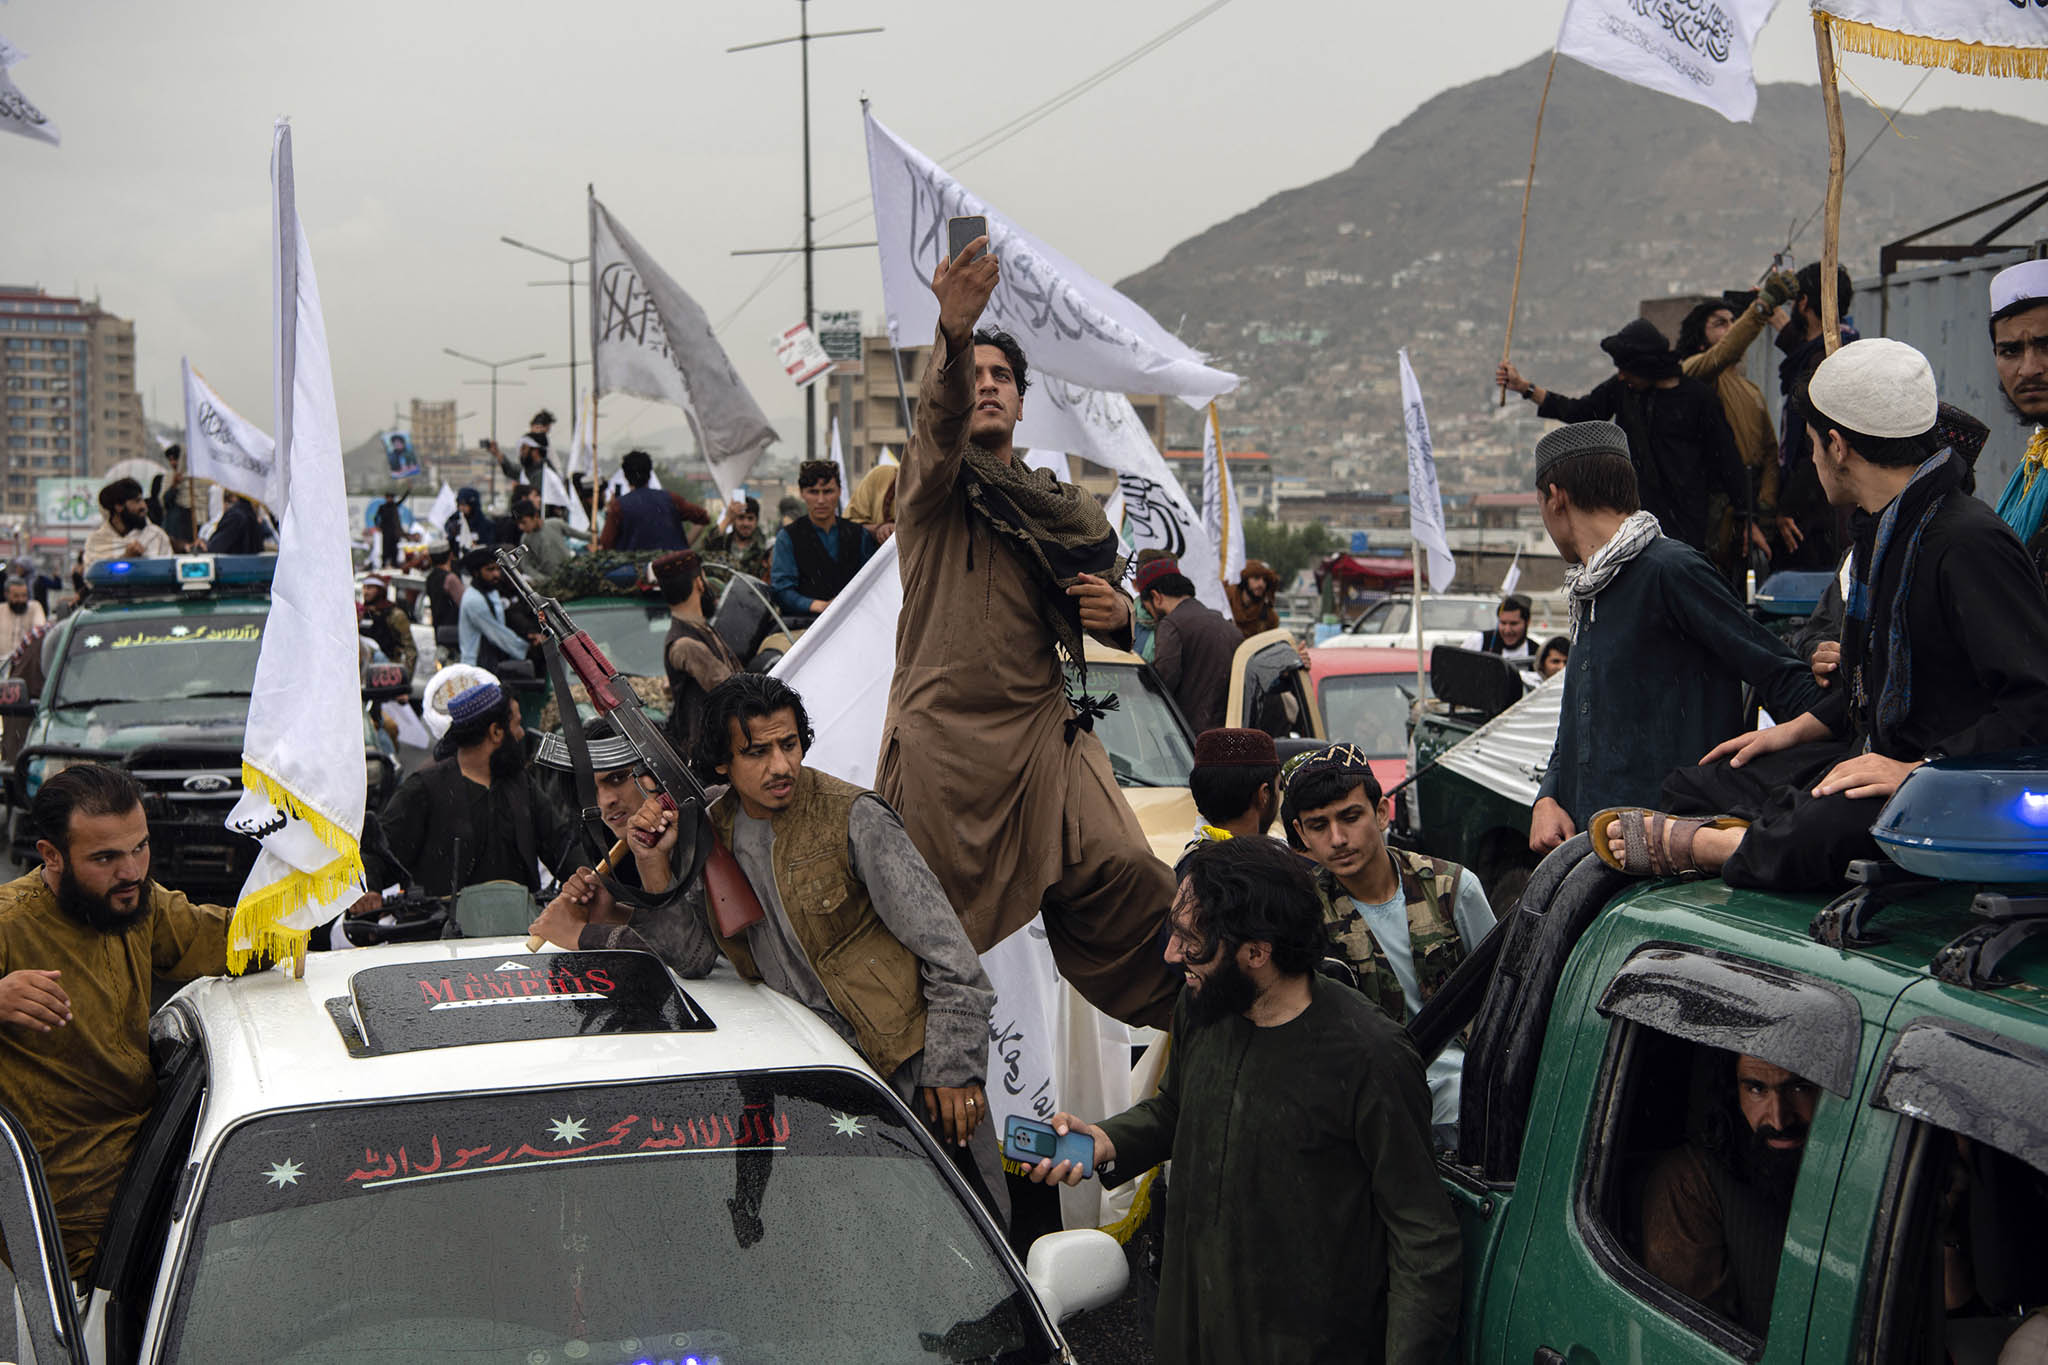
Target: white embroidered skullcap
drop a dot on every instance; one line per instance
(2018, 284)
(1877, 386)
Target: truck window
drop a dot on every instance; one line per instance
(1956, 1270)
(1702, 1115)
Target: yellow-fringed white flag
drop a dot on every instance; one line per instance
(302, 754)
(1980, 37)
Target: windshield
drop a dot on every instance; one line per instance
(1148, 744)
(1368, 709)
(783, 1217)
(122, 658)
(630, 632)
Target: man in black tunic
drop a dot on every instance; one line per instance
(1942, 650)
(474, 816)
(1305, 1220)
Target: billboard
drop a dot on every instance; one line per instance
(62, 500)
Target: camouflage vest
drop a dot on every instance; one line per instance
(1429, 886)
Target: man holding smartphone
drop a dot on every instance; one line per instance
(997, 772)
(1305, 1220)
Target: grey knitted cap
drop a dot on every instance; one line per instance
(1580, 438)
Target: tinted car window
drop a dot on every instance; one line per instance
(1147, 744)
(764, 1218)
(630, 633)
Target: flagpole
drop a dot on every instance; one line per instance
(596, 388)
(1831, 223)
(1522, 237)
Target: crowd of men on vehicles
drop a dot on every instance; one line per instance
(1285, 966)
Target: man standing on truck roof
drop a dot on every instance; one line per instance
(1715, 1209)
(1660, 645)
(2019, 347)
(1400, 922)
(1307, 1221)
(999, 777)
(80, 939)
(1941, 652)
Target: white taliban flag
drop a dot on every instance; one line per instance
(1048, 1048)
(17, 114)
(650, 339)
(1220, 515)
(1072, 326)
(582, 460)
(1425, 501)
(302, 753)
(1981, 37)
(224, 446)
(1157, 512)
(887, 456)
(438, 514)
(1698, 52)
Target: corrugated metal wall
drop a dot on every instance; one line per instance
(1944, 310)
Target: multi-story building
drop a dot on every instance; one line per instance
(114, 426)
(68, 404)
(1251, 476)
(433, 429)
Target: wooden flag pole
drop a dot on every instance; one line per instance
(1831, 223)
(1522, 237)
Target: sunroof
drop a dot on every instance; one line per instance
(406, 1007)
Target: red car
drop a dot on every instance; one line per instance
(1365, 696)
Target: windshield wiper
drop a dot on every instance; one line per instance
(199, 696)
(69, 705)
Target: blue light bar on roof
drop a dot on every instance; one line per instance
(186, 573)
(1977, 819)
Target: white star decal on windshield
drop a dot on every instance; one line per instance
(181, 631)
(283, 1173)
(846, 1125)
(566, 1129)
(93, 642)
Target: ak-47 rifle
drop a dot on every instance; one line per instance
(734, 905)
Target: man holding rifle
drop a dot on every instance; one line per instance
(854, 925)
(1001, 782)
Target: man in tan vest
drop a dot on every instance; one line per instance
(855, 925)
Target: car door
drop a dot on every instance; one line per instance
(1269, 689)
(1677, 1015)
(48, 1330)
(1948, 1191)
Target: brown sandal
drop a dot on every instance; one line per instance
(1653, 844)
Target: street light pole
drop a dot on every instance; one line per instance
(571, 263)
(804, 38)
(493, 366)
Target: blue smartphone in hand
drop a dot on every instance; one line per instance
(1028, 1142)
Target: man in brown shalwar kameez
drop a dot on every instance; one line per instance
(1000, 781)
(80, 938)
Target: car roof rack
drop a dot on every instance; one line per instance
(1876, 884)
(1971, 959)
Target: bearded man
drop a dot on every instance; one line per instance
(127, 531)
(24, 617)
(475, 816)
(2019, 347)
(80, 939)
(999, 778)
(1253, 597)
(1715, 1209)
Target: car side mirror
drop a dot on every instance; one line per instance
(381, 682)
(14, 698)
(1076, 1271)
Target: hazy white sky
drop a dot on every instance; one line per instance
(424, 129)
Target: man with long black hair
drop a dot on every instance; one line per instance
(1306, 1220)
(80, 939)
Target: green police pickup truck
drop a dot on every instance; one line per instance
(1616, 1202)
(153, 673)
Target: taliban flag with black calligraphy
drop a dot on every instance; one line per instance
(652, 340)
(1981, 37)
(302, 753)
